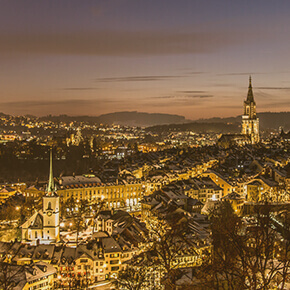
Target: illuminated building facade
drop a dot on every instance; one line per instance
(120, 194)
(250, 121)
(43, 226)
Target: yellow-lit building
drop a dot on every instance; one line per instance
(220, 181)
(119, 194)
(99, 265)
(145, 148)
(43, 226)
(38, 275)
(264, 189)
(33, 191)
(6, 192)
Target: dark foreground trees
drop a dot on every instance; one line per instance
(132, 278)
(10, 275)
(159, 265)
(248, 253)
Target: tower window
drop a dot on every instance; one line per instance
(49, 206)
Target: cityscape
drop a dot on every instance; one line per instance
(144, 145)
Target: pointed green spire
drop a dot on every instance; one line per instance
(50, 186)
(250, 97)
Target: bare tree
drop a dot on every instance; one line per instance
(247, 253)
(77, 211)
(10, 274)
(132, 278)
(170, 241)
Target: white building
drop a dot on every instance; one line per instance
(43, 226)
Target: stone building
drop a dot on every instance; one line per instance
(43, 226)
(250, 121)
(121, 194)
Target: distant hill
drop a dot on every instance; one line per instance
(123, 118)
(228, 125)
(3, 115)
(140, 119)
(268, 120)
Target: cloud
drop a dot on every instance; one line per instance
(272, 105)
(240, 74)
(191, 92)
(46, 103)
(120, 43)
(190, 71)
(264, 95)
(273, 88)
(136, 79)
(91, 107)
(196, 73)
(176, 102)
(184, 97)
(229, 107)
(222, 85)
(78, 89)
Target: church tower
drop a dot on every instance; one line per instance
(250, 122)
(50, 211)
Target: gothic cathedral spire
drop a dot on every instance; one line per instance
(250, 122)
(250, 96)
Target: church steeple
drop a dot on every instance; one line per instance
(250, 122)
(50, 209)
(50, 187)
(250, 96)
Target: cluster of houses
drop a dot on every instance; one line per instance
(118, 238)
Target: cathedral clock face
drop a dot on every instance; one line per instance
(49, 213)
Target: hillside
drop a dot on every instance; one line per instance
(140, 119)
(123, 118)
(268, 120)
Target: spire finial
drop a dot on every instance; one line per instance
(250, 97)
(50, 186)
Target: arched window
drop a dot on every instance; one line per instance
(49, 206)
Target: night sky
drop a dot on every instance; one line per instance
(191, 58)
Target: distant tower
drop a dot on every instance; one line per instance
(50, 211)
(250, 122)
